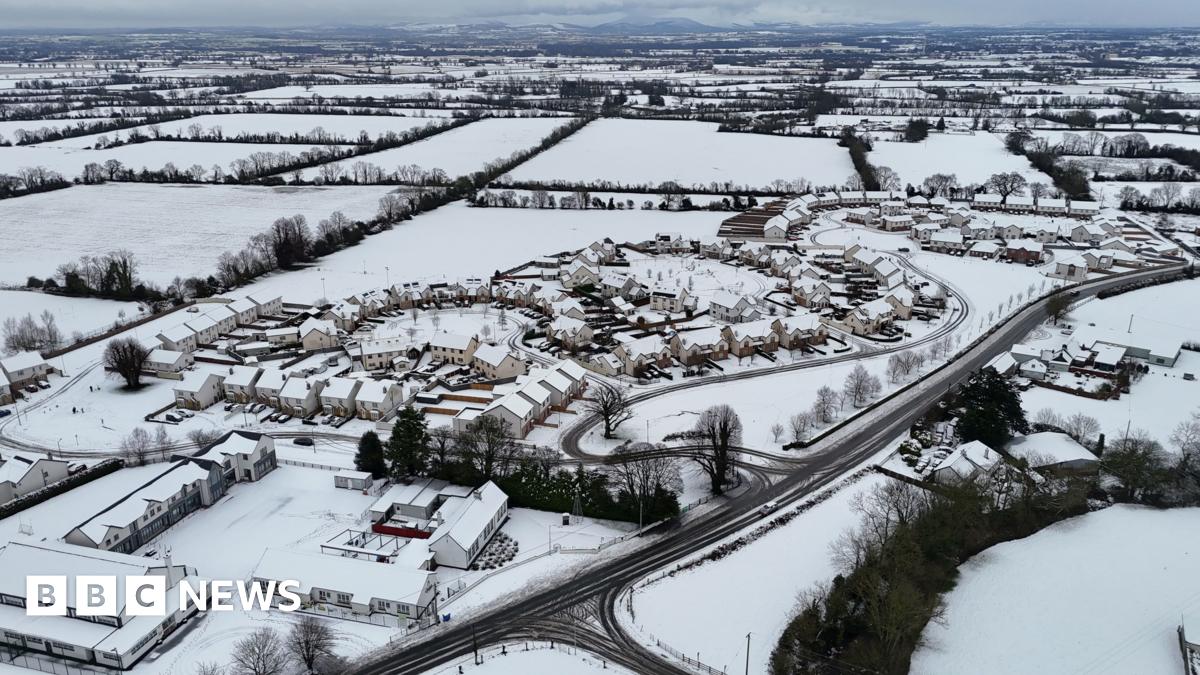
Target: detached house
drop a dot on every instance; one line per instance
(726, 307)
(316, 334)
(697, 346)
(569, 332)
(198, 391)
(496, 363)
(637, 355)
(744, 339)
(451, 348)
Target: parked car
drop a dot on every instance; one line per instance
(171, 418)
(5, 413)
(768, 507)
(284, 418)
(303, 440)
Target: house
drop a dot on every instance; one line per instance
(378, 399)
(269, 385)
(466, 524)
(901, 298)
(352, 480)
(1004, 364)
(317, 334)
(968, 462)
(282, 336)
(946, 241)
(981, 229)
(240, 456)
(384, 353)
(869, 317)
(637, 355)
(204, 328)
(1024, 251)
(1083, 208)
(178, 338)
(337, 396)
(20, 475)
(268, 305)
(300, 396)
(671, 242)
(923, 231)
(938, 203)
(1150, 346)
(1115, 243)
(344, 315)
(224, 317)
(697, 346)
(166, 361)
(1011, 232)
(244, 310)
(800, 331)
(568, 307)
(615, 285)
(1088, 233)
(891, 208)
(569, 332)
(897, 223)
(115, 640)
(671, 300)
(21, 370)
(726, 307)
(579, 273)
(1052, 207)
(984, 249)
(811, 294)
(1044, 233)
(495, 362)
(747, 338)
(365, 588)
(452, 348)
(1033, 370)
(988, 202)
(239, 384)
(1054, 452)
(1019, 204)
(514, 410)
(861, 215)
(197, 391)
(1073, 268)
(1097, 259)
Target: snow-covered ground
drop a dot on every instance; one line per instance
(1154, 137)
(173, 230)
(1101, 593)
(540, 659)
(71, 314)
(463, 150)
(753, 589)
(653, 151)
(347, 127)
(971, 157)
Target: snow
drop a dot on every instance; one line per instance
(692, 613)
(71, 314)
(463, 150)
(1154, 137)
(152, 155)
(173, 230)
(971, 157)
(1068, 614)
(540, 659)
(653, 151)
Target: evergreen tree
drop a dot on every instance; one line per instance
(370, 455)
(991, 410)
(408, 448)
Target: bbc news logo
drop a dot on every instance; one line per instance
(99, 595)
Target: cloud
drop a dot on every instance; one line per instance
(141, 13)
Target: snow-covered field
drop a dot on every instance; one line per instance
(540, 659)
(753, 589)
(174, 230)
(1154, 137)
(653, 151)
(345, 126)
(971, 157)
(71, 314)
(1101, 593)
(465, 149)
(151, 155)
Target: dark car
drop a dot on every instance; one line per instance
(303, 440)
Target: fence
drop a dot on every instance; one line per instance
(493, 652)
(310, 465)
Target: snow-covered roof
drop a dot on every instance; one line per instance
(445, 340)
(1051, 447)
(130, 507)
(234, 443)
(468, 522)
(13, 469)
(241, 376)
(362, 580)
(340, 388)
(164, 357)
(968, 459)
(493, 355)
(702, 337)
(376, 391)
(296, 387)
(21, 361)
(320, 325)
(194, 383)
(570, 369)
(272, 379)
(19, 559)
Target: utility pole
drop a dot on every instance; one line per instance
(474, 645)
(747, 654)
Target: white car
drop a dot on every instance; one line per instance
(768, 507)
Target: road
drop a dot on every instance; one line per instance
(594, 592)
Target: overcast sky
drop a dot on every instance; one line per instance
(149, 13)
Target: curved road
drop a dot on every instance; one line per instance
(599, 586)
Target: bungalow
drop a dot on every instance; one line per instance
(337, 396)
(1052, 207)
(364, 588)
(968, 462)
(946, 241)
(20, 475)
(466, 524)
(495, 362)
(239, 384)
(1083, 208)
(984, 249)
(179, 338)
(300, 396)
(378, 399)
(1054, 452)
(744, 339)
(696, 346)
(349, 479)
(166, 361)
(317, 334)
(452, 348)
(198, 391)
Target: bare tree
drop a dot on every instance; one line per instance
(136, 446)
(611, 405)
(203, 437)
(309, 639)
(1005, 184)
(719, 430)
(894, 369)
(643, 473)
(777, 431)
(162, 441)
(126, 357)
(209, 668)
(260, 653)
(826, 404)
(801, 423)
(488, 445)
(861, 386)
(1083, 428)
(1047, 417)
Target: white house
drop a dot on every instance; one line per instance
(495, 362)
(467, 524)
(167, 361)
(452, 348)
(20, 475)
(239, 383)
(179, 338)
(198, 391)
(318, 334)
(300, 396)
(337, 396)
(726, 307)
(378, 399)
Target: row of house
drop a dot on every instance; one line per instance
(530, 399)
(19, 371)
(218, 318)
(365, 398)
(21, 475)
